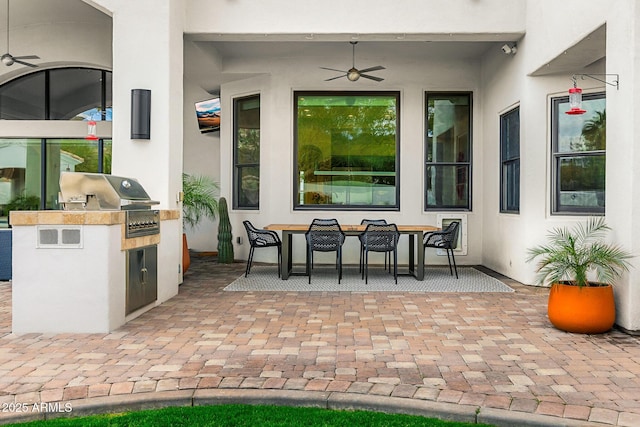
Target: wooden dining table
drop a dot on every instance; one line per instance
(415, 233)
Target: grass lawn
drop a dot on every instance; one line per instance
(248, 415)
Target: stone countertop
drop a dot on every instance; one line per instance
(25, 218)
(89, 218)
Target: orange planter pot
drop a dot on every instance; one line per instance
(186, 258)
(583, 310)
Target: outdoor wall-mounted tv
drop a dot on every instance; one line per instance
(208, 113)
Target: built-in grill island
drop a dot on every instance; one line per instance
(94, 191)
(102, 248)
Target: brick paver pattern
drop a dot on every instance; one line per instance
(493, 350)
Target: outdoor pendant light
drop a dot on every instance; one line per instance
(91, 131)
(575, 93)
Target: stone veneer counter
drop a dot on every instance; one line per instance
(31, 218)
(78, 217)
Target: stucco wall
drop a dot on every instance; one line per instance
(411, 76)
(462, 17)
(552, 29)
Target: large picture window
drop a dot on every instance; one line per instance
(448, 151)
(510, 161)
(578, 156)
(346, 150)
(246, 155)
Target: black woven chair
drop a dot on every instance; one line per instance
(259, 238)
(324, 236)
(361, 238)
(381, 238)
(325, 221)
(446, 239)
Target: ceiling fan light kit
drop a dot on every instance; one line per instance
(353, 74)
(8, 59)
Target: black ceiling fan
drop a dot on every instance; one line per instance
(8, 59)
(353, 73)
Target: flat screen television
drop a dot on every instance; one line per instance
(208, 114)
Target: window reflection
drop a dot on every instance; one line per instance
(579, 153)
(21, 170)
(510, 159)
(347, 149)
(247, 152)
(19, 176)
(448, 148)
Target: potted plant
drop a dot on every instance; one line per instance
(200, 200)
(569, 262)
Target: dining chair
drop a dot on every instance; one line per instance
(325, 221)
(260, 238)
(381, 238)
(446, 239)
(324, 236)
(361, 238)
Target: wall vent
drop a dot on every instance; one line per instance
(59, 236)
(443, 220)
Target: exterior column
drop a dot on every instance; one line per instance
(148, 54)
(623, 154)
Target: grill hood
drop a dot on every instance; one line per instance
(96, 191)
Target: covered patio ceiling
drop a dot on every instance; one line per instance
(373, 49)
(205, 60)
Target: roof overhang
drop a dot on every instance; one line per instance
(588, 50)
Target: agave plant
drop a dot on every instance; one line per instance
(200, 199)
(572, 254)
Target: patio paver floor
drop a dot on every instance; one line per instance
(494, 351)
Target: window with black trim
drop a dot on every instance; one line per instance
(448, 151)
(346, 150)
(30, 168)
(58, 94)
(246, 152)
(510, 161)
(578, 156)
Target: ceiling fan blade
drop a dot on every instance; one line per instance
(378, 79)
(333, 69)
(17, 61)
(26, 57)
(337, 77)
(376, 68)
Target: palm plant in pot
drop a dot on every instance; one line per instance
(200, 200)
(569, 261)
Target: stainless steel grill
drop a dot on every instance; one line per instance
(95, 191)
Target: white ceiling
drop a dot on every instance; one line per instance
(331, 54)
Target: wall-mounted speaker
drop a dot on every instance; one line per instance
(140, 114)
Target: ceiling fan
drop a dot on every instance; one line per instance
(8, 59)
(353, 73)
